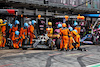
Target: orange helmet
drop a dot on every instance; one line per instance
(48, 29)
(64, 25)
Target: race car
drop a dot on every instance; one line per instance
(93, 35)
(40, 42)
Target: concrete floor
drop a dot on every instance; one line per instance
(49, 58)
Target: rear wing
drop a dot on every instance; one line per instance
(8, 11)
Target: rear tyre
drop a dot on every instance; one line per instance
(58, 41)
(10, 44)
(49, 41)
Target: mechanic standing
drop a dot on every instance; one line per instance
(61, 43)
(65, 38)
(71, 47)
(77, 37)
(4, 33)
(21, 36)
(26, 30)
(31, 30)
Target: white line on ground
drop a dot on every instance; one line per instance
(94, 65)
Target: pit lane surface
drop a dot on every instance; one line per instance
(49, 58)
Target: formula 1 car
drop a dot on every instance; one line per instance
(92, 37)
(40, 42)
(43, 42)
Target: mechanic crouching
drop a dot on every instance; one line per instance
(76, 38)
(23, 34)
(15, 39)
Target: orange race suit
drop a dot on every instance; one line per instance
(71, 40)
(14, 39)
(76, 38)
(65, 38)
(3, 39)
(78, 28)
(31, 31)
(14, 28)
(21, 36)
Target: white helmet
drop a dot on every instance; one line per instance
(29, 22)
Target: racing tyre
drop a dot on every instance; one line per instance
(49, 43)
(58, 43)
(10, 43)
